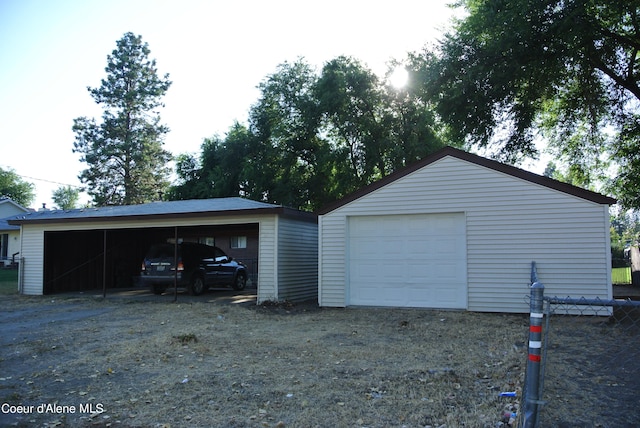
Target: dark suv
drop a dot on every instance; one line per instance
(199, 267)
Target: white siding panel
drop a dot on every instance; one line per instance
(267, 259)
(510, 222)
(331, 289)
(13, 245)
(297, 260)
(33, 260)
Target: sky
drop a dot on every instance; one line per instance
(216, 53)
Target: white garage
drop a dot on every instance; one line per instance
(459, 231)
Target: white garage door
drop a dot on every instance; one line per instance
(408, 261)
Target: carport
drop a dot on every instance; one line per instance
(102, 248)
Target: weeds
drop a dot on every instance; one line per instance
(185, 339)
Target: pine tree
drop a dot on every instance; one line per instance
(126, 161)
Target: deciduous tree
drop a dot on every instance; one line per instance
(286, 164)
(12, 186)
(567, 71)
(66, 197)
(220, 170)
(313, 138)
(350, 98)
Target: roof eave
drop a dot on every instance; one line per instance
(288, 212)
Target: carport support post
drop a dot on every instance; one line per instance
(532, 378)
(104, 265)
(175, 263)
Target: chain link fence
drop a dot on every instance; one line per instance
(588, 363)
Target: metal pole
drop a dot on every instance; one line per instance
(534, 272)
(532, 378)
(545, 348)
(104, 265)
(21, 265)
(175, 264)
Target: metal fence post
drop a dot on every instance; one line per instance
(532, 378)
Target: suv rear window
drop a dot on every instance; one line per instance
(160, 252)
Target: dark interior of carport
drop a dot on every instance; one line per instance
(101, 259)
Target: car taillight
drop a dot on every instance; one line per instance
(180, 266)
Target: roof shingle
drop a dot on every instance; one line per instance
(194, 207)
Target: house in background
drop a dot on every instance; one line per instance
(460, 231)
(9, 234)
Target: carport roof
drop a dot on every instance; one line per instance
(189, 208)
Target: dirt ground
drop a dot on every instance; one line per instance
(213, 361)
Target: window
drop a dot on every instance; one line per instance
(4, 244)
(238, 242)
(207, 241)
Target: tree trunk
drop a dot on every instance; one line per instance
(635, 266)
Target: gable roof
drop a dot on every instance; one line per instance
(155, 210)
(478, 160)
(10, 202)
(8, 209)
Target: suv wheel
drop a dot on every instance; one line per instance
(197, 285)
(240, 282)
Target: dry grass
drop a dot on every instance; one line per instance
(204, 364)
(592, 376)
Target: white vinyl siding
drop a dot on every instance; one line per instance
(32, 262)
(13, 245)
(510, 222)
(267, 259)
(332, 274)
(8, 208)
(297, 260)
